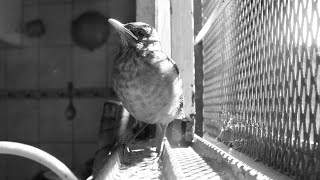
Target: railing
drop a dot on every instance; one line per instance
(261, 81)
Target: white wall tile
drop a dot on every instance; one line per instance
(21, 168)
(2, 68)
(87, 122)
(54, 126)
(54, 1)
(115, 9)
(81, 6)
(89, 67)
(22, 68)
(61, 151)
(30, 2)
(3, 166)
(83, 153)
(111, 51)
(23, 120)
(55, 67)
(30, 13)
(3, 120)
(57, 20)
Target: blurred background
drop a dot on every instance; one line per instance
(44, 44)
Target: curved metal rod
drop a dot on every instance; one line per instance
(42, 157)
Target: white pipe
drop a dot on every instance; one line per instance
(212, 18)
(38, 155)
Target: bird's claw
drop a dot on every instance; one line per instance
(156, 162)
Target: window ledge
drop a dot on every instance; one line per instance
(224, 161)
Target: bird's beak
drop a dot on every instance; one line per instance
(121, 29)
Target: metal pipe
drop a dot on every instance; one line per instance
(38, 155)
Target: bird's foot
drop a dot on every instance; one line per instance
(159, 157)
(125, 154)
(156, 163)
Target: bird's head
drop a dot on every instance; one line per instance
(137, 34)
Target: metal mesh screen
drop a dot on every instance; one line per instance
(262, 81)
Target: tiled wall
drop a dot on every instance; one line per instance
(50, 62)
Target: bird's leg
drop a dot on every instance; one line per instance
(162, 134)
(124, 142)
(163, 139)
(136, 134)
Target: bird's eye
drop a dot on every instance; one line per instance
(140, 33)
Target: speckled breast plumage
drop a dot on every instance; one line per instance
(148, 85)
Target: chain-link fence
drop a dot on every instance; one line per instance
(262, 81)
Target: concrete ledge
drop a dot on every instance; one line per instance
(233, 164)
(243, 167)
(107, 167)
(172, 169)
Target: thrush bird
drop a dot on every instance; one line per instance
(145, 79)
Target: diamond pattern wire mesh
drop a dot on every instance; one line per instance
(262, 81)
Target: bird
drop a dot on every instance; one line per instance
(145, 79)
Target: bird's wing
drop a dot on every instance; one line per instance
(174, 64)
(179, 112)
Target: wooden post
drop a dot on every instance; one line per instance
(182, 47)
(198, 67)
(157, 14)
(163, 24)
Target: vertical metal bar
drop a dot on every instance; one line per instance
(198, 68)
(182, 47)
(163, 24)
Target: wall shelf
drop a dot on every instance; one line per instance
(98, 92)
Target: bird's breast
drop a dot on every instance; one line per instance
(145, 90)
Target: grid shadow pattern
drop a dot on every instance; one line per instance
(195, 166)
(262, 81)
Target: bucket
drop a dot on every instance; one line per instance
(113, 122)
